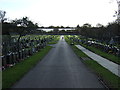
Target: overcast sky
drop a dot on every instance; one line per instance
(61, 12)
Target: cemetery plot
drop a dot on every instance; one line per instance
(109, 79)
(14, 51)
(14, 74)
(109, 51)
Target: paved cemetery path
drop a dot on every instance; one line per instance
(60, 68)
(111, 66)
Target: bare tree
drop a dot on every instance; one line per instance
(2, 15)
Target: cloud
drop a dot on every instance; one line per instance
(61, 12)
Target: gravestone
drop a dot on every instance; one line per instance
(4, 63)
(9, 59)
(23, 53)
(111, 41)
(13, 58)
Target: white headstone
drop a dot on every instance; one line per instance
(111, 41)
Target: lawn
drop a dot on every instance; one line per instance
(110, 79)
(15, 73)
(108, 56)
(98, 51)
(107, 77)
(55, 40)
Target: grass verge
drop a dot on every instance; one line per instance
(11, 75)
(110, 79)
(106, 76)
(55, 40)
(110, 57)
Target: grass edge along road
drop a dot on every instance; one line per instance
(55, 40)
(13, 74)
(110, 57)
(105, 75)
(96, 50)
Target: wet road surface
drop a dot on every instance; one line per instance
(60, 68)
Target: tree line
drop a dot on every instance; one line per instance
(25, 26)
(100, 32)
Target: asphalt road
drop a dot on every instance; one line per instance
(60, 68)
